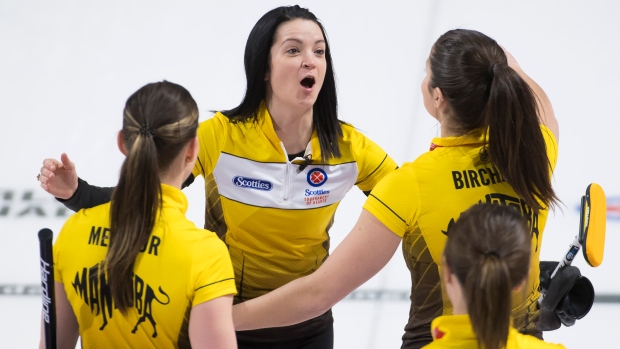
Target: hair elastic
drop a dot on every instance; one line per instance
(146, 130)
(492, 67)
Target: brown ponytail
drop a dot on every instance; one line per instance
(487, 287)
(483, 92)
(159, 120)
(516, 144)
(488, 249)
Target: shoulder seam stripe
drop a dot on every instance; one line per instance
(261, 162)
(201, 166)
(388, 207)
(213, 283)
(322, 164)
(375, 170)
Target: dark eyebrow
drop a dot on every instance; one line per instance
(292, 39)
(300, 42)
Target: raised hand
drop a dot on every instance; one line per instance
(59, 178)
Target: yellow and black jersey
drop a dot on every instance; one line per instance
(179, 267)
(274, 214)
(455, 331)
(423, 198)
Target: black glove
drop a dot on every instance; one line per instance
(569, 296)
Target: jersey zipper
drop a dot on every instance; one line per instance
(286, 194)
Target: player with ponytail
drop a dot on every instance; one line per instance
(486, 259)
(483, 88)
(153, 134)
(136, 272)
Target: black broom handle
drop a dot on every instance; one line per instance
(47, 287)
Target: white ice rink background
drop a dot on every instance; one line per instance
(67, 67)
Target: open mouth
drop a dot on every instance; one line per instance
(307, 82)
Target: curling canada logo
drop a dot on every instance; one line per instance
(317, 177)
(252, 183)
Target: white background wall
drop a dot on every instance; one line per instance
(67, 67)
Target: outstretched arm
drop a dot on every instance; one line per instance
(87, 196)
(211, 326)
(367, 249)
(60, 179)
(547, 116)
(67, 331)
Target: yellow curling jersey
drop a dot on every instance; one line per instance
(180, 266)
(423, 198)
(274, 214)
(455, 331)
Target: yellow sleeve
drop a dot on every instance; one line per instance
(552, 146)
(373, 162)
(212, 135)
(395, 201)
(214, 271)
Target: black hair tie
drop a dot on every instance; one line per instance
(484, 154)
(146, 130)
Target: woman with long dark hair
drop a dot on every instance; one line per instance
(136, 272)
(498, 144)
(275, 167)
(486, 259)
